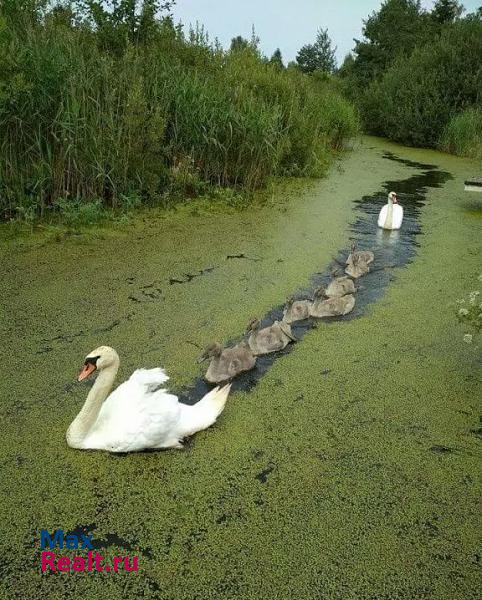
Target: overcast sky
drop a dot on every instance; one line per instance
(285, 24)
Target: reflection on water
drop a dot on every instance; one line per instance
(393, 249)
(386, 238)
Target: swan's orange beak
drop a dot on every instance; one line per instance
(87, 370)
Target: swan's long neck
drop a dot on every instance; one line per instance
(389, 218)
(86, 418)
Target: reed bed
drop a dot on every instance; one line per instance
(463, 134)
(172, 117)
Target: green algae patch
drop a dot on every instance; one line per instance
(350, 471)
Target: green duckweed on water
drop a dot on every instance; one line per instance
(351, 471)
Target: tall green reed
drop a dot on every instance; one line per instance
(81, 123)
(463, 134)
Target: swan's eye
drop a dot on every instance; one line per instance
(91, 360)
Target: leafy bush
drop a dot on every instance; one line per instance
(415, 70)
(77, 214)
(417, 97)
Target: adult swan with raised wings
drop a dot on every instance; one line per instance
(136, 415)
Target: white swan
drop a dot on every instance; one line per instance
(136, 415)
(391, 215)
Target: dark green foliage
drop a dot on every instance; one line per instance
(463, 134)
(319, 56)
(395, 30)
(446, 11)
(239, 43)
(416, 97)
(346, 68)
(121, 22)
(132, 108)
(415, 71)
(277, 60)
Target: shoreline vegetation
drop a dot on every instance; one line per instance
(416, 76)
(101, 109)
(109, 107)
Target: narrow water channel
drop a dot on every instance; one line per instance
(392, 249)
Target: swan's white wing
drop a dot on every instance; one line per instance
(397, 216)
(156, 425)
(134, 418)
(382, 217)
(150, 378)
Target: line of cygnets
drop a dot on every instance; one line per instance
(336, 300)
(141, 415)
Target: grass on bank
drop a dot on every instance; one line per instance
(463, 134)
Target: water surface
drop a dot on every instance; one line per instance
(347, 468)
(392, 249)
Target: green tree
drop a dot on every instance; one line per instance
(446, 11)
(346, 68)
(19, 14)
(395, 30)
(62, 14)
(418, 96)
(277, 60)
(121, 21)
(239, 43)
(319, 56)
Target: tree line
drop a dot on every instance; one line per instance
(416, 76)
(109, 103)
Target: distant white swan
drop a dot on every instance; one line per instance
(136, 415)
(391, 215)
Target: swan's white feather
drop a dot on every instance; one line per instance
(151, 378)
(136, 416)
(397, 216)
